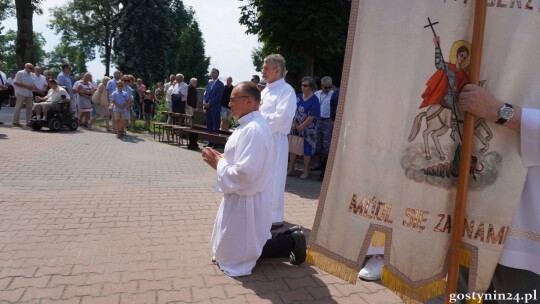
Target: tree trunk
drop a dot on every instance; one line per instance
(24, 45)
(310, 64)
(108, 48)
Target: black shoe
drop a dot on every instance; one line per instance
(1, 123)
(292, 229)
(298, 254)
(316, 168)
(276, 226)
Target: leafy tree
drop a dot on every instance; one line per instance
(7, 50)
(157, 38)
(6, 9)
(65, 53)
(188, 46)
(143, 45)
(191, 60)
(85, 24)
(24, 45)
(312, 37)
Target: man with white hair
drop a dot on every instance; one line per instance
(24, 85)
(179, 95)
(326, 124)
(278, 106)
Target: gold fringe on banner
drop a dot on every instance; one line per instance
(377, 240)
(465, 261)
(412, 295)
(465, 257)
(332, 266)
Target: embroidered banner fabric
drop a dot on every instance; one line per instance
(394, 156)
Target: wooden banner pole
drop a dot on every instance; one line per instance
(466, 152)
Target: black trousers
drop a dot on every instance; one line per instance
(506, 280)
(279, 246)
(178, 106)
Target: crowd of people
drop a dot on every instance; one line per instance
(251, 213)
(89, 100)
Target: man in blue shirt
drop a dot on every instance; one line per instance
(64, 80)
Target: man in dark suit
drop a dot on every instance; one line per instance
(212, 103)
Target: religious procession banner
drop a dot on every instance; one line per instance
(394, 159)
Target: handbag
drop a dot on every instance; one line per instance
(296, 145)
(95, 98)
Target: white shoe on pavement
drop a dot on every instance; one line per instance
(373, 268)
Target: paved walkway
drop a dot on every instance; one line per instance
(89, 218)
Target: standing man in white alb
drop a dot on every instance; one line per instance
(518, 271)
(278, 106)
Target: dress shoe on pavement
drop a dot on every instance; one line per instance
(276, 225)
(373, 268)
(316, 168)
(292, 229)
(298, 254)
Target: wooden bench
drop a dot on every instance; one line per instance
(165, 128)
(178, 131)
(198, 131)
(159, 126)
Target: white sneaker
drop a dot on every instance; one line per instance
(373, 268)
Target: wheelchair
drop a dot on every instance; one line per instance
(58, 116)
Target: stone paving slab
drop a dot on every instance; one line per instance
(86, 217)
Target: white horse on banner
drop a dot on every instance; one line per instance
(438, 121)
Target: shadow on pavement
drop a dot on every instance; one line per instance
(131, 139)
(3, 136)
(306, 188)
(47, 131)
(280, 282)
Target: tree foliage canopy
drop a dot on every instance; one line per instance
(65, 53)
(7, 50)
(148, 38)
(157, 38)
(88, 24)
(310, 34)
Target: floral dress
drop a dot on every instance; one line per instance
(304, 109)
(85, 102)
